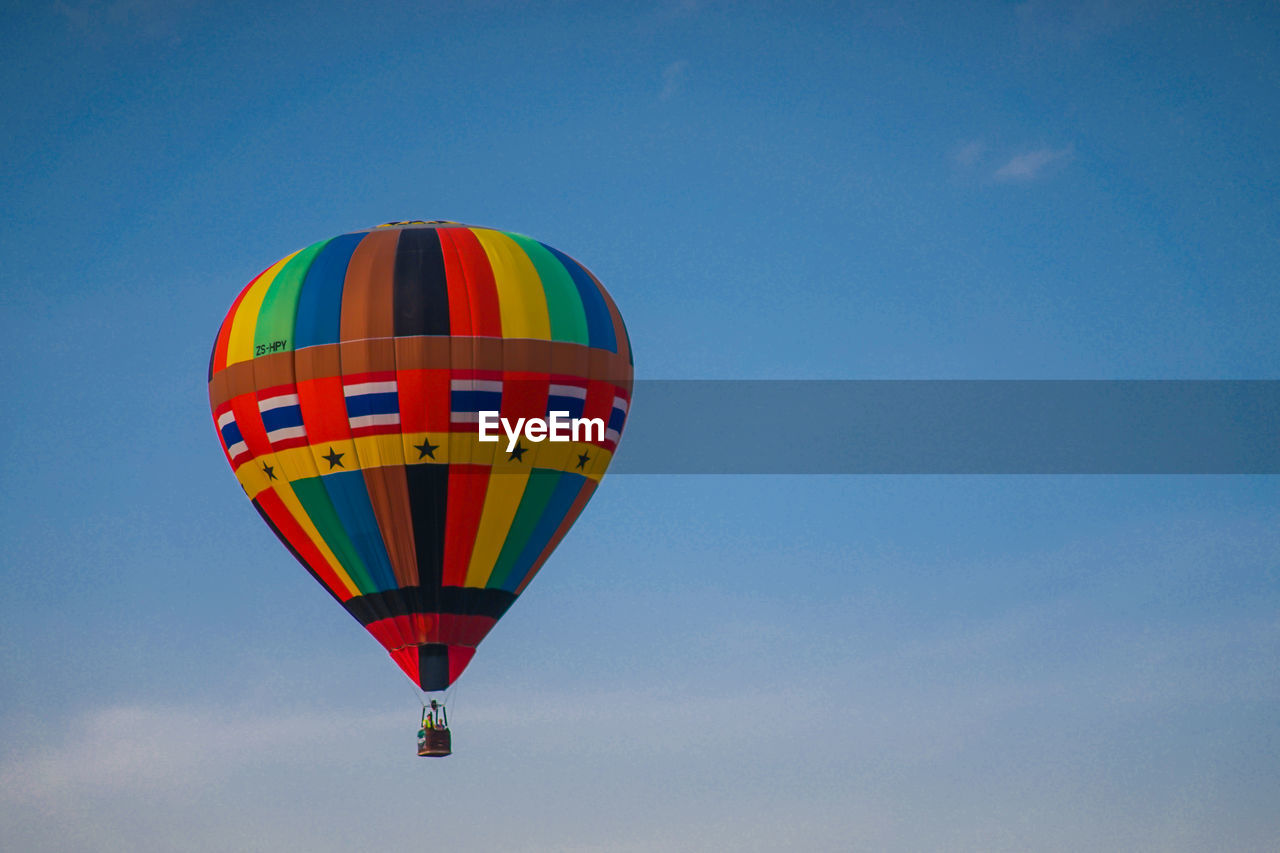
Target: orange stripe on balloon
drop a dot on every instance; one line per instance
(367, 330)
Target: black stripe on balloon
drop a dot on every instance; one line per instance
(292, 550)
(433, 666)
(428, 499)
(421, 295)
(465, 601)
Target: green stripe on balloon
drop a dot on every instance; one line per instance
(538, 491)
(315, 502)
(564, 305)
(280, 304)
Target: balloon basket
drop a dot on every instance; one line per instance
(435, 743)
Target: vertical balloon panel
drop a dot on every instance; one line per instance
(346, 385)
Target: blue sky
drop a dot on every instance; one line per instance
(781, 191)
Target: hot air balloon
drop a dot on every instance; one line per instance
(348, 384)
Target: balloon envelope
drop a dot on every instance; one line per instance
(346, 385)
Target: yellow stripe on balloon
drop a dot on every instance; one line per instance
(596, 465)
(555, 455)
(437, 441)
(245, 324)
(501, 500)
(461, 446)
(297, 463)
(522, 304)
(345, 450)
(380, 451)
(252, 478)
(301, 463)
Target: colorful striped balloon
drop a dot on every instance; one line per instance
(346, 384)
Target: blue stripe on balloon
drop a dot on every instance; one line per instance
(320, 301)
(282, 418)
(383, 403)
(616, 419)
(573, 405)
(475, 401)
(557, 508)
(599, 321)
(231, 434)
(350, 501)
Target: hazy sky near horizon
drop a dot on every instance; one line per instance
(880, 190)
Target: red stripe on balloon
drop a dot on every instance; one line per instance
(467, 487)
(293, 533)
(477, 279)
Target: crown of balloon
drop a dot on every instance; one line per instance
(403, 222)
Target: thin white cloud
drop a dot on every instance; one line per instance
(1032, 164)
(942, 711)
(969, 153)
(131, 751)
(673, 77)
(127, 749)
